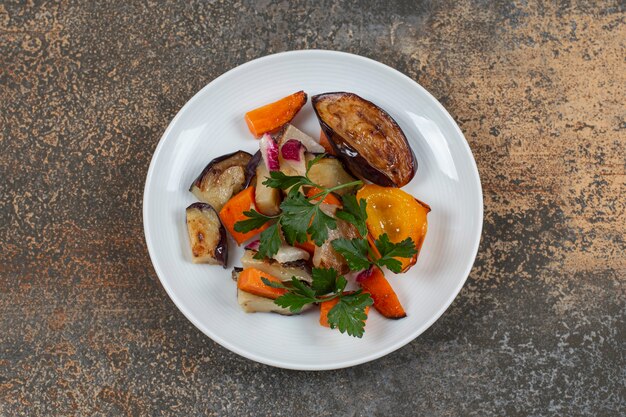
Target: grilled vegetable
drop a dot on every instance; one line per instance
(328, 148)
(385, 299)
(255, 161)
(221, 179)
(249, 280)
(269, 152)
(207, 236)
(267, 199)
(233, 210)
(330, 199)
(292, 153)
(285, 253)
(284, 272)
(397, 213)
(251, 303)
(325, 256)
(329, 172)
(291, 132)
(272, 116)
(366, 138)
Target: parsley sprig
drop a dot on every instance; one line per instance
(360, 255)
(348, 315)
(300, 215)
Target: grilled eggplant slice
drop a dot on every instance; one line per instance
(329, 172)
(207, 236)
(284, 272)
(222, 178)
(366, 138)
(267, 199)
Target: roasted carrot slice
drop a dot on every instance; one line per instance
(233, 210)
(250, 281)
(385, 299)
(326, 144)
(396, 213)
(326, 306)
(272, 116)
(329, 199)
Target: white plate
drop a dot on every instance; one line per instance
(212, 124)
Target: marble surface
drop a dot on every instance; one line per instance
(87, 89)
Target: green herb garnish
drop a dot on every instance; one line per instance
(348, 315)
(300, 216)
(360, 256)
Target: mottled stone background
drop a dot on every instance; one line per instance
(86, 90)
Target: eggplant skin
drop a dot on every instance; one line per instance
(366, 138)
(207, 235)
(250, 170)
(221, 179)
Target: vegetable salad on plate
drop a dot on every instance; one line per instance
(321, 219)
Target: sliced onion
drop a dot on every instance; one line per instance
(292, 152)
(269, 151)
(290, 254)
(310, 144)
(285, 253)
(254, 245)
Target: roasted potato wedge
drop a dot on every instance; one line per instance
(366, 138)
(267, 199)
(329, 172)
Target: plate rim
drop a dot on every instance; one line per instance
(291, 365)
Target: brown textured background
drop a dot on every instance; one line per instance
(86, 90)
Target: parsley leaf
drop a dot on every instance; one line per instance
(270, 242)
(348, 315)
(389, 250)
(355, 251)
(314, 161)
(255, 220)
(354, 212)
(298, 296)
(272, 284)
(320, 225)
(293, 301)
(278, 179)
(296, 216)
(324, 280)
(341, 283)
